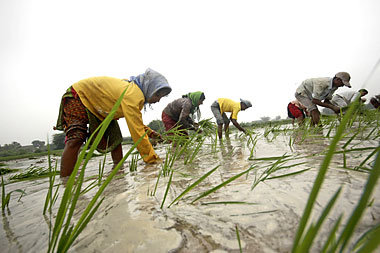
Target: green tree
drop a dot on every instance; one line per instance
(157, 126)
(58, 141)
(13, 146)
(38, 144)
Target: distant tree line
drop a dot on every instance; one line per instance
(37, 146)
(15, 148)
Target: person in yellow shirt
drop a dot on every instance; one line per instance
(223, 105)
(90, 100)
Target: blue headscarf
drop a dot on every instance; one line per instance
(150, 82)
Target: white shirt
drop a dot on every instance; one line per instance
(319, 88)
(349, 96)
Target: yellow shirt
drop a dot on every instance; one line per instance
(99, 94)
(228, 105)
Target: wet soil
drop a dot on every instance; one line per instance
(130, 218)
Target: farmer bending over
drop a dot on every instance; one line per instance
(223, 105)
(344, 99)
(313, 91)
(296, 111)
(180, 112)
(90, 100)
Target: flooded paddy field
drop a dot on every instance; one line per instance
(246, 192)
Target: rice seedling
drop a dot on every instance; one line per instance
(238, 238)
(314, 228)
(255, 213)
(4, 171)
(193, 185)
(91, 186)
(370, 133)
(167, 189)
(175, 135)
(288, 174)
(344, 160)
(133, 162)
(170, 158)
(271, 158)
(182, 144)
(367, 236)
(32, 172)
(267, 131)
(355, 150)
(227, 203)
(207, 126)
(206, 193)
(353, 220)
(186, 147)
(191, 155)
(350, 139)
(360, 166)
(101, 166)
(214, 142)
(253, 142)
(155, 187)
(5, 198)
(51, 196)
(276, 166)
(291, 143)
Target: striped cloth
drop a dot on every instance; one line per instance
(73, 119)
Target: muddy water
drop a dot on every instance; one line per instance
(130, 218)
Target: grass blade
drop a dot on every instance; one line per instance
(222, 184)
(321, 175)
(363, 202)
(228, 203)
(238, 238)
(313, 230)
(167, 188)
(331, 236)
(366, 237)
(193, 185)
(289, 174)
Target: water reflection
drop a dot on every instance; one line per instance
(10, 235)
(226, 148)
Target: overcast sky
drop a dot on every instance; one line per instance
(256, 50)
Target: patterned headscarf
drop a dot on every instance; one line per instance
(195, 98)
(150, 82)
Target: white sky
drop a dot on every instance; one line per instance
(256, 50)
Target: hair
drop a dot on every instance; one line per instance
(202, 97)
(163, 91)
(363, 90)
